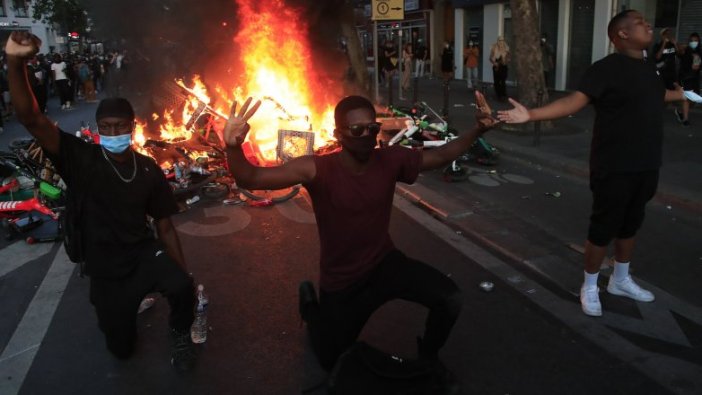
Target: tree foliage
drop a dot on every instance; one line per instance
(68, 14)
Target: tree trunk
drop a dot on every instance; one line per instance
(527, 54)
(357, 59)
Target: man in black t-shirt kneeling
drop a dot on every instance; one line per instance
(114, 189)
(626, 151)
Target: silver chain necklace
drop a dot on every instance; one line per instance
(117, 171)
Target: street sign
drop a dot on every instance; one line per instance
(388, 10)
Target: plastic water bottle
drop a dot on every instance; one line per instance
(198, 332)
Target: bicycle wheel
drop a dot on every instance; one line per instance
(455, 173)
(214, 190)
(276, 196)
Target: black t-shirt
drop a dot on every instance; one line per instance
(687, 59)
(113, 220)
(629, 101)
(667, 60)
(447, 60)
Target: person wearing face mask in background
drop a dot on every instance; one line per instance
(111, 191)
(547, 59)
(471, 54)
(690, 59)
(352, 191)
(447, 65)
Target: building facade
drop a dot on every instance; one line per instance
(17, 15)
(575, 29)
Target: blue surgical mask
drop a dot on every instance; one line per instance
(116, 144)
(694, 44)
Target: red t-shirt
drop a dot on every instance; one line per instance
(353, 212)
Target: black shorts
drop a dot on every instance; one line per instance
(691, 84)
(618, 204)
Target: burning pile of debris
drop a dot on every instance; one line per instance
(275, 66)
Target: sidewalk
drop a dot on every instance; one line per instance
(566, 147)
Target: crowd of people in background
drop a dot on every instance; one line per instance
(679, 64)
(70, 76)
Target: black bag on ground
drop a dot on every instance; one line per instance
(363, 369)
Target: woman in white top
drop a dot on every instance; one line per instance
(499, 57)
(59, 70)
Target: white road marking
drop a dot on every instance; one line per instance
(19, 253)
(665, 370)
(235, 219)
(292, 211)
(17, 358)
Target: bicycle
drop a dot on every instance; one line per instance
(19, 216)
(420, 132)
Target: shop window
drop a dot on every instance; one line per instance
(20, 8)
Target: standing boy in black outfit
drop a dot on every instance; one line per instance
(625, 155)
(114, 189)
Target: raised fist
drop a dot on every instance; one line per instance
(22, 44)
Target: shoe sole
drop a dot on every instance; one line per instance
(622, 293)
(592, 313)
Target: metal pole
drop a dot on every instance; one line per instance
(389, 81)
(400, 63)
(445, 110)
(537, 124)
(376, 70)
(415, 90)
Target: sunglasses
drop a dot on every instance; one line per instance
(360, 129)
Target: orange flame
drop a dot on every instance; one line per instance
(278, 69)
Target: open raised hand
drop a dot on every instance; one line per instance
(22, 44)
(237, 126)
(519, 114)
(483, 114)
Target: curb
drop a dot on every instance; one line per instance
(665, 195)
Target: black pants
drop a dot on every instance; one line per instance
(500, 77)
(65, 93)
(116, 301)
(341, 316)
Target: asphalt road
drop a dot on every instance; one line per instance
(528, 336)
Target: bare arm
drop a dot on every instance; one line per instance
(298, 170)
(556, 109)
(434, 158)
(677, 94)
(21, 46)
(438, 157)
(169, 236)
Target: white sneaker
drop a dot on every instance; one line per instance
(63, 106)
(630, 289)
(590, 301)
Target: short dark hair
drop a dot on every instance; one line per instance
(616, 23)
(350, 103)
(117, 107)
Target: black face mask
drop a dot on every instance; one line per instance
(360, 148)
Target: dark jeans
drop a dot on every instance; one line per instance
(341, 315)
(500, 77)
(65, 93)
(116, 301)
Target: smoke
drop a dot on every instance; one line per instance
(168, 39)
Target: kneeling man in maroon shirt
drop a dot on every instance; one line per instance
(352, 191)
